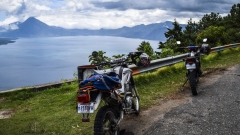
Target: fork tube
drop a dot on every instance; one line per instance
(121, 118)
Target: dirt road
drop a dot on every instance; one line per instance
(162, 117)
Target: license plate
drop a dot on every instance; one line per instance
(85, 108)
(190, 66)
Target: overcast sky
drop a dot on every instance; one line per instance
(111, 14)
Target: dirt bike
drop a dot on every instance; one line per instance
(193, 64)
(115, 86)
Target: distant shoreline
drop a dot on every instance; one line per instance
(5, 41)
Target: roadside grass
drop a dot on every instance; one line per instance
(52, 111)
(159, 84)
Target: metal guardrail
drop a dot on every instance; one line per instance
(175, 59)
(155, 64)
(158, 63)
(40, 87)
(221, 48)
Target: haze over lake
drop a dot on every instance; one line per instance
(33, 61)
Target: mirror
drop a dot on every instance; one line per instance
(178, 42)
(205, 40)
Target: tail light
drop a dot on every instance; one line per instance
(190, 60)
(83, 97)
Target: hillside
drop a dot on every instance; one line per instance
(33, 27)
(4, 41)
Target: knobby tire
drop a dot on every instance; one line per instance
(105, 122)
(192, 76)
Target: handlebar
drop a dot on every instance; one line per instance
(132, 56)
(189, 47)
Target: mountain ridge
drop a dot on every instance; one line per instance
(33, 27)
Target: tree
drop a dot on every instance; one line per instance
(147, 48)
(232, 26)
(175, 33)
(97, 57)
(166, 52)
(169, 48)
(172, 44)
(161, 45)
(214, 34)
(233, 19)
(190, 33)
(213, 19)
(118, 56)
(232, 36)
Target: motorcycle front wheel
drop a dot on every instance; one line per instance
(193, 79)
(135, 101)
(106, 122)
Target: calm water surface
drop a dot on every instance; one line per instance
(33, 61)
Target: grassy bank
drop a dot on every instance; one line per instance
(52, 112)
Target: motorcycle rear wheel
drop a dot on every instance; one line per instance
(193, 79)
(105, 122)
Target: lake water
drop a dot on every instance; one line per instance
(33, 61)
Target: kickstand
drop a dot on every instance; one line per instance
(185, 82)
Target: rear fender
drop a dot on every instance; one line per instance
(191, 66)
(97, 100)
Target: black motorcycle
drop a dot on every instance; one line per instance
(193, 64)
(115, 86)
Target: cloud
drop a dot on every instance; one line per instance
(5, 23)
(12, 6)
(97, 14)
(169, 5)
